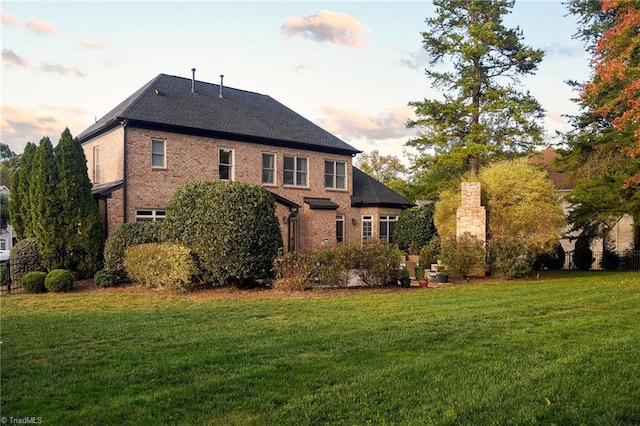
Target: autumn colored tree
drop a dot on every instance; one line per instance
(384, 168)
(616, 86)
(482, 112)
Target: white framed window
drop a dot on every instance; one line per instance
(150, 215)
(96, 164)
(387, 226)
(295, 171)
(3, 244)
(268, 168)
(340, 228)
(367, 227)
(158, 153)
(335, 174)
(225, 164)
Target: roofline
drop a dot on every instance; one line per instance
(360, 204)
(184, 130)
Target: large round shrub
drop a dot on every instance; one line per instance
(127, 235)
(25, 257)
(582, 254)
(230, 227)
(59, 280)
(33, 282)
(415, 228)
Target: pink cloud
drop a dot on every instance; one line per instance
(327, 26)
(40, 27)
(388, 124)
(93, 45)
(19, 126)
(9, 21)
(12, 57)
(61, 69)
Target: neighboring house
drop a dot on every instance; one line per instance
(176, 130)
(6, 236)
(621, 234)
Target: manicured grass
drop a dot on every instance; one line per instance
(561, 351)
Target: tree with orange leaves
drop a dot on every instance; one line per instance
(616, 86)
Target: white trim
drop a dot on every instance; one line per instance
(296, 171)
(274, 170)
(232, 168)
(164, 153)
(368, 219)
(150, 215)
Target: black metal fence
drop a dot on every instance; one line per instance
(609, 260)
(6, 286)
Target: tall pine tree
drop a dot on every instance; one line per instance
(482, 113)
(20, 214)
(81, 224)
(46, 208)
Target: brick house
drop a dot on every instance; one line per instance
(176, 130)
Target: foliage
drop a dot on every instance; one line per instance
(377, 262)
(428, 177)
(430, 252)
(510, 257)
(81, 224)
(415, 227)
(33, 282)
(162, 265)
(106, 278)
(582, 254)
(4, 211)
(610, 260)
(553, 260)
(616, 84)
(46, 206)
(128, 235)
(24, 258)
(513, 193)
(293, 271)
(59, 280)
(384, 168)
(464, 256)
(8, 167)
(20, 199)
(483, 113)
(334, 263)
(230, 227)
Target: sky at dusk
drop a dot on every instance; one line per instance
(350, 67)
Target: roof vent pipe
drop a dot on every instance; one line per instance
(193, 80)
(221, 77)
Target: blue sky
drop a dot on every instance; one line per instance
(350, 67)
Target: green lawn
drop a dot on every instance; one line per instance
(552, 351)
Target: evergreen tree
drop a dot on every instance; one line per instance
(483, 113)
(80, 223)
(45, 206)
(20, 199)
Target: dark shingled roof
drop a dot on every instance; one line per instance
(368, 192)
(320, 203)
(167, 103)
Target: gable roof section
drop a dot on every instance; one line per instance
(368, 192)
(545, 159)
(167, 103)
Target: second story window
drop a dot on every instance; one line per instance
(225, 164)
(96, 164)
(335, 174)
(295, 171)
(268, 168)
(158, 153)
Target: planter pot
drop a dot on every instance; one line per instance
(424, 282)
(405, 282)
(443, 278)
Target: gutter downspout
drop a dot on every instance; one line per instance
(124, 170)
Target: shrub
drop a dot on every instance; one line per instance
(33, 282)
(59, 280)
(610, 260)
(162, 265)
(230, 227)
(128, 235)
(378, 262)
(553, 260)
(463, 255)
(415, 228)
(106, 278)
(334, 263)
(430, 252)
(25, 257)
(510, 258)
(293, 271)
(582, 254)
